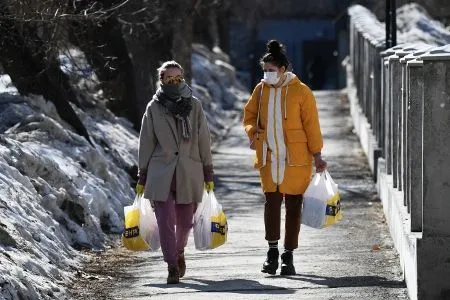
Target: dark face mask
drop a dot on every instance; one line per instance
(176, 90)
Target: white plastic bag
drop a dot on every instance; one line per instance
(321, 202)
(210, 223)
(141, 228)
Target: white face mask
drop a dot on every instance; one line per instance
(271, 77)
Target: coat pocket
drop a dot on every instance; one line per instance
(297, 148)
(195, 158)
(261, 150)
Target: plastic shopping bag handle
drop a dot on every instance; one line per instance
(328, 177)
(137, 200)
(325, 174)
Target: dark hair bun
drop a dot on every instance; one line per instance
(275, 54)
(274, 47)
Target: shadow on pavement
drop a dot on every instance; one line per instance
(349, 281)
(232, 155)
(238, 286)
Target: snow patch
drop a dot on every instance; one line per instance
(57, 194)
(414, 24)
(214, 82)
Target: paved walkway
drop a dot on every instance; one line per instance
(352, 260)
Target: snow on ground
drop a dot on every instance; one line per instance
(367, 22)
(414, 24)
(215, 84)
(59, 194)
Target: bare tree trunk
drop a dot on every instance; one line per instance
(211, 24)
(149, 44)
(183, 35)
(224, 30)
(107, 53)
(35, 69)
(125, 52)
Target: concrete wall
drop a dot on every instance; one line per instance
(400, 104)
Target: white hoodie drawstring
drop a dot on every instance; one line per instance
(290, 76)
(285, 99)
(259, 108)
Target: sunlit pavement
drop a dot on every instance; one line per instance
(353, 260)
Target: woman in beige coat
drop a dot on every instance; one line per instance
(175, 162)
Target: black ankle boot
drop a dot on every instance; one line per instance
(270, 266)
(181, 263)
(287, 263)
(174, 275)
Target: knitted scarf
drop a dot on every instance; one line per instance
(177, 99)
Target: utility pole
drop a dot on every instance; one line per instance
(388, 23)
(391, 24)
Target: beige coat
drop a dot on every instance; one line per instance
(162, 151)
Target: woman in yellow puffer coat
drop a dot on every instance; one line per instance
(282, 123)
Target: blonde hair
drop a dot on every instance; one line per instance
(168, 65)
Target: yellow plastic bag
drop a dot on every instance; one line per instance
(321, 202)
(333, 210)
(219, 230)
(210, 224)
(141, 229)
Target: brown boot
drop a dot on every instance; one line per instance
(174, 275)
(181, 263)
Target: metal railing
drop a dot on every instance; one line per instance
(401, 109)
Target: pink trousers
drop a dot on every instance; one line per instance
(175, 223)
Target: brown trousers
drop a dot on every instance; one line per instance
(272, 218)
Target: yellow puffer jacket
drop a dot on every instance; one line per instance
(287, 136)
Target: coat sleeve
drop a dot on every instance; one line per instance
(251, 112)
(147, 143)
(204, 144)
(310, 120)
